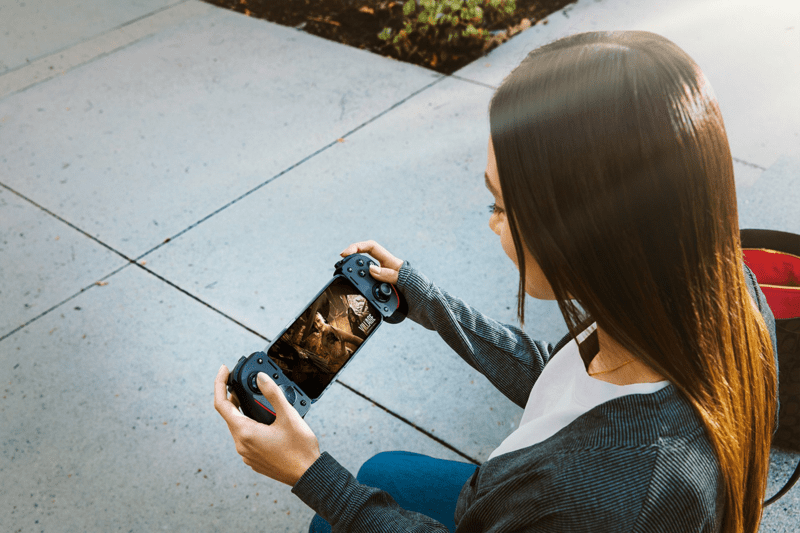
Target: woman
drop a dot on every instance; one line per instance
(614, 195)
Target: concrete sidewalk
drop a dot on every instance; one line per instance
(176, 182)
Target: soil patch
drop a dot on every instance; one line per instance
(357, 23)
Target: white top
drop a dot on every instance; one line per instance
(563, 392)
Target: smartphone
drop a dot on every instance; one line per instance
(325, 336)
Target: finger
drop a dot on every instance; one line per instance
(377, 251)
(235, 400)
(384, 274)
(221, 403)
(272, 393)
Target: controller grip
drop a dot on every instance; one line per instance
(401, 312)
(242, 382)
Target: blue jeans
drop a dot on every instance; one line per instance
(416, 482)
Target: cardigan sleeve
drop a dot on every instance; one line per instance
(508, 358)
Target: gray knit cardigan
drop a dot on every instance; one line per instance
(639, 463)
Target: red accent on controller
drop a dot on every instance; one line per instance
(398, 296)
(262, 405)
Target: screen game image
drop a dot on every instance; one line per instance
(318, 344)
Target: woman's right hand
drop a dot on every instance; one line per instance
(389, 265)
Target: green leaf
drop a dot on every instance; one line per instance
(409, 7)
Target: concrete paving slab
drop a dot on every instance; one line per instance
(750, 54)
(107, 420)
(43, 262)
(774, 202)
(782, 515)
(413, 181)
(30, 29)
(60, 62)
(179, 124)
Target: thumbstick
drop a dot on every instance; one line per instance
(383, 292)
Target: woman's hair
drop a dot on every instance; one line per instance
(617, 178)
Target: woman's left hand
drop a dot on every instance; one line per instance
(283, 450)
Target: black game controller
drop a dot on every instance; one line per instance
(382, 295)
(243, 383)
(391, 305)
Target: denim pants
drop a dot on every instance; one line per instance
(416, 482)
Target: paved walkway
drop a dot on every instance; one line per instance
(177, 179)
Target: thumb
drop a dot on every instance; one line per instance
(383, 274)
(272, 392)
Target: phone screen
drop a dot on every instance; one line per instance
(326, 335)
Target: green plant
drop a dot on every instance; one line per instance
(439, 25)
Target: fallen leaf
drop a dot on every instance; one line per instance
(340, 140)
(366, 9)
(142, 262)
(101, 283)
(317, 19)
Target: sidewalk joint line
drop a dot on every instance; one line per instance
(34, 319)
(70, 224)
(193, 297)
(129, 262)
(745, 163)
(480, 83)
(406, 421)
(292, 167)
(30, 62)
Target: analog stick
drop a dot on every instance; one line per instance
(382, 292)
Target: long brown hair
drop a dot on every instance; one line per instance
(617, 178)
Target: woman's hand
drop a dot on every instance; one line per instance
(283, 450)
(390, 265)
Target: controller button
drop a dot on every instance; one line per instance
(362, 273)
(289, 393)
(275, 375)
(303, 403)
(350, 269)
(360, 262)
(382, 292)
(260, 361)
(386, 309)
(253, 383)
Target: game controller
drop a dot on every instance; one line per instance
(384, 296)
(242, 382)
